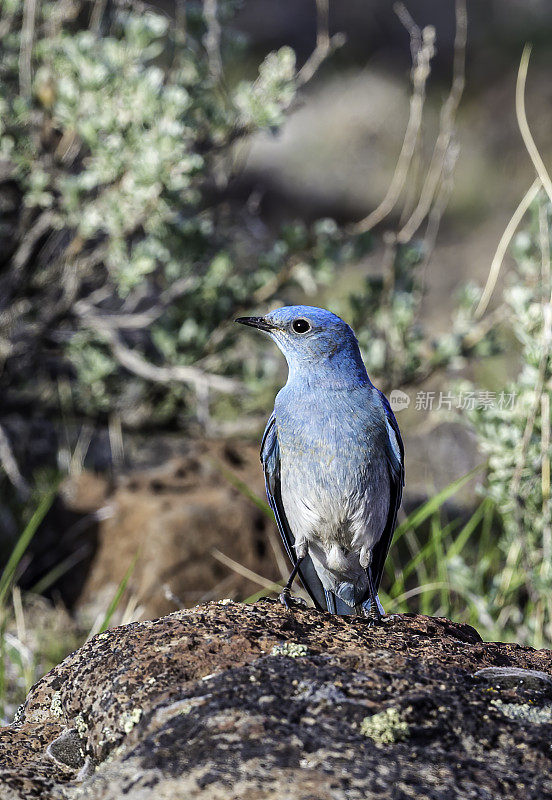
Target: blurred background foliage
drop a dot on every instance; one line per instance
(123, 147)
(136, 224)
(122, 151)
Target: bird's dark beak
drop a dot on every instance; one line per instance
(255, 322)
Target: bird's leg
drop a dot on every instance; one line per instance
(374, 614)
(286, 598)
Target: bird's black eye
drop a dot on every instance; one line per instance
(300, 325)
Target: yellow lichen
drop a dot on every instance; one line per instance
(130, 718)
(386, 727)
(81, 726)
(524, 712)
(55, 705)
(290, 649)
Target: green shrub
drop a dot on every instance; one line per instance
(515, 436)
(133, 256)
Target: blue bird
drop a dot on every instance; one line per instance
(333, 462)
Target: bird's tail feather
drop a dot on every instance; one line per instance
(335, 605)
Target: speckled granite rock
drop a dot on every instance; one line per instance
(249, 701)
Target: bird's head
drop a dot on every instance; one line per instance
(312, 339)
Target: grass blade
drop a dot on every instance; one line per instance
(431, 506)
(23, 542)
(60, 569)
(242, 487)
(471, 525)
(117, 596)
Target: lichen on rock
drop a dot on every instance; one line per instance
(290, 649)
(385, 727)
(525, 712)
(130, 718)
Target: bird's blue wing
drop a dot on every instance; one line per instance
(270, 459)
(395, 460)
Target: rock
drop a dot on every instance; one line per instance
(512, 677)
(228, 701)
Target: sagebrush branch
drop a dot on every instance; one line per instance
(132, 361)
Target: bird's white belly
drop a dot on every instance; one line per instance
(342, 511)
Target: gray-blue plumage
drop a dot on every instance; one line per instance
(333, 460)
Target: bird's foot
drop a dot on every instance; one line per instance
(289, 600)
(373, 621)
(372, 613)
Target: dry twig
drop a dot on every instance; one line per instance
(26, 47)
(211, 40)
(446, 130)
(504, 244)
(422, 44)
(97, 15)
(9, 465)
(325, 45)
(179, 374)
(542, 179)
(245, 571)
(528, 140)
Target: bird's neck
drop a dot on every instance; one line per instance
(344, 370)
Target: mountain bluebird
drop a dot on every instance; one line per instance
(333, 461)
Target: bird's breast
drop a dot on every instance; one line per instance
(327, 427)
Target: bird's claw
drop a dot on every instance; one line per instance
(374, 622)
(374, 615)
(289, 600)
